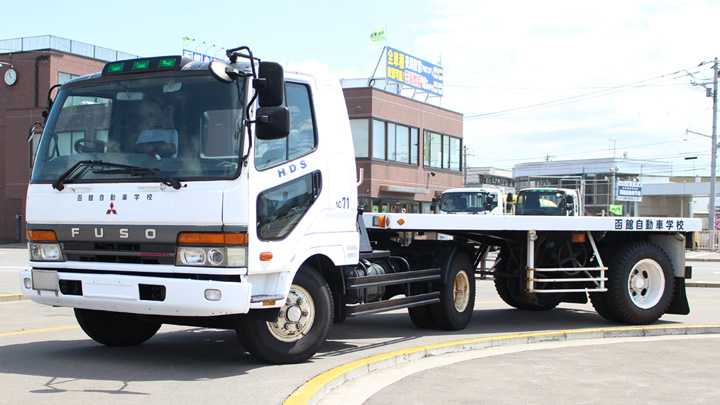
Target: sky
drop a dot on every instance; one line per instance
(535, 80)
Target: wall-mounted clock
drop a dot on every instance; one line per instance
(10, 77)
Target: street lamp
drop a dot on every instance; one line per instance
(427, 183)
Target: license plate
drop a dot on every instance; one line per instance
(46, 280)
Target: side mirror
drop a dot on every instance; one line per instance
(272, 123)
(510, 197)
(31, 131)
(270, 85)
(569, 202)
(223, 72)
(433, 204)
(46, 112)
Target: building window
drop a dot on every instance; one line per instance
(64, 77)
(378, 148)
(395, 142)
(442, 151)
(361, 137)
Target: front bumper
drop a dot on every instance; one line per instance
(124, 293)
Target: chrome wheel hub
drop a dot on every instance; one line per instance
(295, 317)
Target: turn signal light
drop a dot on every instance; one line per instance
(188, 238)
(41, 236)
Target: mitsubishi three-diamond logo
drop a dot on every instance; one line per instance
(111, 210)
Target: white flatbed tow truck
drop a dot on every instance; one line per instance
(167, 190)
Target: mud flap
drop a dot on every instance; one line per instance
(679, 304)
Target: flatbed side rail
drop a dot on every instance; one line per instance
(541, 280)
(406, 277)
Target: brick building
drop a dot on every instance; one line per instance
(38, 63)
(410, 151)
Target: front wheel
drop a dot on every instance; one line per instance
(115, 328)
(457, 297)
(641, 284)
(302, 325)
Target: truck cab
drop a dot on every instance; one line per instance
(177, 191)
(478, 201)
(546, 201)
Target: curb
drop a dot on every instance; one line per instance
(702, 284)
(11, 297)
(702, 259)
(312, 391)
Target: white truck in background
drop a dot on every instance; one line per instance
(167, 190)
(547, 201)
(472, 200)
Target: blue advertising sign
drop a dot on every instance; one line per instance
(200, 57)
(411, 71)
(629, 191)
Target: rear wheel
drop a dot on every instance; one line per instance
(421, 316)
(302, 325)
(457, 297)
(640, 284)
(115, 328)
(507, 281)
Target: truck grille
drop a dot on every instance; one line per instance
(134, 253)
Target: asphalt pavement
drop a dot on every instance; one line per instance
(663, 369)
(665, 363)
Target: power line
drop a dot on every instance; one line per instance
(586, 96)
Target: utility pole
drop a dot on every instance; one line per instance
(713, 158)
(713, 155)
(465, 154)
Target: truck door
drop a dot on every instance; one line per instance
(285, 185)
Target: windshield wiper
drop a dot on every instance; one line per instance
(116, 168)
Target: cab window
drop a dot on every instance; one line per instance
(302, 139)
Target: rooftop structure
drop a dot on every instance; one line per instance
(51, 42)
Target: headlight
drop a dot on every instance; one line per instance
(212, 249)
(192, 256)
(212, 256)
(47, 252)
(216, 257)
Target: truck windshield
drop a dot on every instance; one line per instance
(540, 202)
(185, 127)
(467, 202)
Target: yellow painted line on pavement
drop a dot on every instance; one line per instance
(313, 390)
(25, 332)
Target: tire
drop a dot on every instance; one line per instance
(599, 302)
(501, 283)
(457, 297)
(421, 316)
(508, 288)
(640, 284)
(302, 325)
(115, 328)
